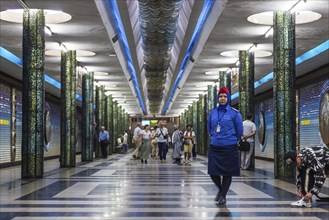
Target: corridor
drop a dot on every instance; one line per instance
(122, 188)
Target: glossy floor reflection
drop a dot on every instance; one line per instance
(123, 188)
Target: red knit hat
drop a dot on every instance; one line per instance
(223, 90)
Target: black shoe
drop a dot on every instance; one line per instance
(142, 160)
(217, 196)
(145, 161)
(221, 200)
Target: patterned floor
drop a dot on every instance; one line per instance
(123, 188)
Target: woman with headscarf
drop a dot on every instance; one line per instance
(225, 129)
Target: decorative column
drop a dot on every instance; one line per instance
(100, 90)
(68, 114)
(201, 132)
(109, 122)
(246, 89)
(246, 83)
(115, 123)
(224, 79)
(284, 93)
(33, 94)
(87, 119)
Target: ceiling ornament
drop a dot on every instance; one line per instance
(158, 25)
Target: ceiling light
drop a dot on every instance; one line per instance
(112, 55)
(51, 16)
(101, 74)
(266, 18)
(235, 53)
(80, 53)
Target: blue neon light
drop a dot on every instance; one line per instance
(125, 48)
(302, 58)
(10, 57)
(206, 9)
(18, 61)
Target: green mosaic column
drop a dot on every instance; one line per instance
(115, 122)
(33, 94)
(109, 122)
(284, 93)
(87, 125)
(203, 124)
(100, 113)
(68, 115)
(224, 79)
(246, 83)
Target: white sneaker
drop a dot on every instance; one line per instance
(302, 203)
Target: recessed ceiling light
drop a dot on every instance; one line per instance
(51, 16)
(235, 54)
(80, 53)
(266, 18)
(101, 74)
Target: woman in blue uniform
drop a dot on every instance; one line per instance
(225, 129)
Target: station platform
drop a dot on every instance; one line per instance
(121, 187)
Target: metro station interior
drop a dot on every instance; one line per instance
(67, 68)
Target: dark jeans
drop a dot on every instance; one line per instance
(162, 150)
(103, 146)
(194, 151)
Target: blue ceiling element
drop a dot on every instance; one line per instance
(302, 58)
(206, 9)
(18, 61)
(125, 48)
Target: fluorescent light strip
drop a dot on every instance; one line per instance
(125, 48)
(18, 61)
(302, 58)
(206, 9)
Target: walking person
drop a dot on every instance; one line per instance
(225, 129)
(104, 139)
(312, 164)
(125, 142)
(137, 140)
(249, 131)
(146, 144)
(162, 136)
(176, 141)
(188, 143)
(154, 144)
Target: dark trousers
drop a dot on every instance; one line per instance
(223, 184)
(162, 150)
(307, 180)
(194, 151)
(103, 146)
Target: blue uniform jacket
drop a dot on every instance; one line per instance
(231, 128)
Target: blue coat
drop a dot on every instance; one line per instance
(231, 128)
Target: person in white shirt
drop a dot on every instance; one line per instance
(162, 138)
(137, 140)
(188, 143)
(154, 143)
(249, 131)
(125, 142)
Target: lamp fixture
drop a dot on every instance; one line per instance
(48, 30)
(62, 46)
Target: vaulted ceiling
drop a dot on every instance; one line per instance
(152, 55)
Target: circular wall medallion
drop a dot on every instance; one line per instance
(324, 113)
(261, 128)
(48, 127)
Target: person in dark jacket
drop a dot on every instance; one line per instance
(103, 139)
(312, 164)
(225, 129)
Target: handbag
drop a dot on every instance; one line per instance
(243, 146)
